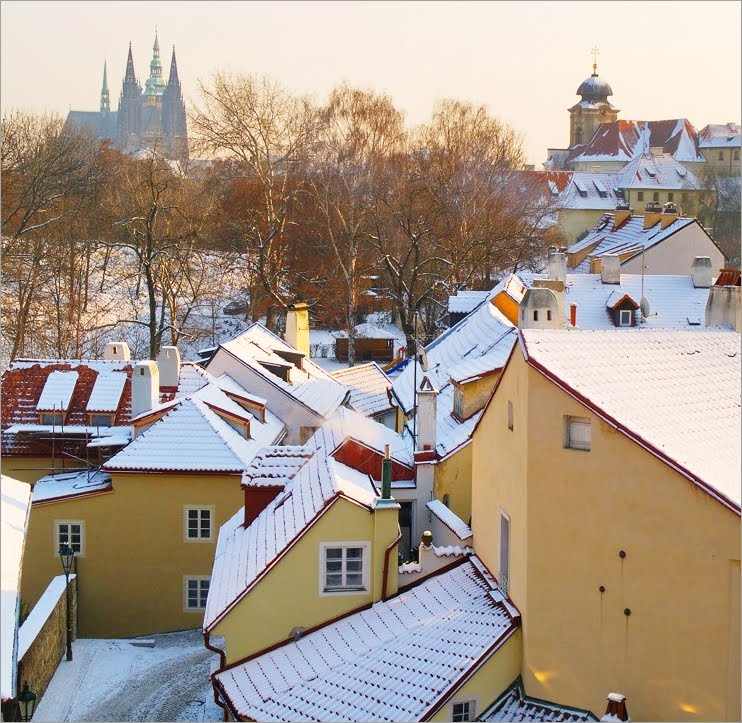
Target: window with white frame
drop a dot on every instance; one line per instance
(198, 523)
(196, 590)
(578, 433)
(72, 533)
(344, 567)
(463, 711)
(625, 317)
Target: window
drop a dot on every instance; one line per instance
(683, 197)
(736, 155)
(670, 196)
(578, 433)
(640, 195)
(510, 416)
(101, 420)
(463, 711)
(198, 524)
(50, 418)
(656, 196)
(626, 317)
(196, 591)
(406, 515)
(343, 567)
(721, 155)
(548, 315)
(504, 579)
(69, 533)
(535, 315)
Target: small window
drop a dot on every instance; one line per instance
(343, 567)
(101, 420)
(463, 711)
(548, 315)
(70, 533)
(656, 196)
(736, 155)
(640, 195)
(626, 317)
(535, 315)
(196, 592)
(510, 416)
(670, 196)
(721, 155)
(683, 197)
(198, 523)
(578, 433)
(53, 419)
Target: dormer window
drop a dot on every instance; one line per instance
(53, 419)
(100, 420)
(626, 317)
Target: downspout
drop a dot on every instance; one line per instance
(388, 550)
(222, 663)
(386, 493)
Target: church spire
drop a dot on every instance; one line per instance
(155, 84)
(129, 76)
(105, 101)
(173, 80)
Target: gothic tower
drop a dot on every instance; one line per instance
(592, 110)
(128, 120)
(105, 100)
(174, 115)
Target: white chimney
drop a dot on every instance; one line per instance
(539, 309)
(724, 307)
(117, 351)
(297, 327)
(610, 269)
(145, 387)
(168, 363)
(427, 403)
(556, 267)
(700, 272)
(558, 289)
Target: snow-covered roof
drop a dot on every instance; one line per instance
(195, 434)
(57, 391)
(719, 135)
(630, 236)
(515, 705)
(15, 503)
(275, 466)
(465, 301)
(654, 172)
(674, 303)
(484, 335)
(243, 554)
(107, 391)
(366, 331)
(450, 519)
(591, 191)
(71, 484)
(312, 386)
(397, 661)
(368, 387)
(676, 391)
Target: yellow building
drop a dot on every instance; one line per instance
(144, 526)
(606, 500)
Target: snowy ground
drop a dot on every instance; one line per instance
(113, 680)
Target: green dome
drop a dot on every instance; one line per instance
(155, 84)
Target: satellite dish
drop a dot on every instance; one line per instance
(644, 307)
(422, 357)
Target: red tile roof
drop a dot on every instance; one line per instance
(728, 277)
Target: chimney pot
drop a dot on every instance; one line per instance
(573, 314)
(427, 539)
(700, 272)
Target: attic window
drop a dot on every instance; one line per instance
(625, 317)
(51, 418)
(681, 171)
(650, 172)
(581, 189)
(100, 420)
(602, 191)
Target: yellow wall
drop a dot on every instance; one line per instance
(574, 222)
(676, 657)
(689, 201)
(135, 557)
(289, 596)
(487, 684)
(453, 478)
(29, 469)
(476, 393)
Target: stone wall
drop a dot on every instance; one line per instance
(40, 661)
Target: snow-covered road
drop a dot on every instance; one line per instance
(114, 680)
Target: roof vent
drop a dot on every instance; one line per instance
(296, 633)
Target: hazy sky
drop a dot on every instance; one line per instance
(523, 60)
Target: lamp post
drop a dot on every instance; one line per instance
(27, 702)
(67, 555)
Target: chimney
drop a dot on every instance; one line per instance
(610, 269)
(117, 351)
(621, 215)
(556, 267)
(616, 708)
(297, 327)
(573, 314)
(700, 272)
(557, 287)
(145, 387)
(539, 309)
(652, 214)
(257, 498)
(168, 363)
(425, 415)
(724, 307)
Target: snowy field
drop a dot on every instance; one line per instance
(113, 680)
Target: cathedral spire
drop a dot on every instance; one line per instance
(173, 80)
(129, 76)
(105, 101)
(155, 84)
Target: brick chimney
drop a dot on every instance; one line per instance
(610, 269)
(700, 271)
(297, 327)
(539, 309)
(168, 363)
(117, 351)
(616, 708)
(145, 387)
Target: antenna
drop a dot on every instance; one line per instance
(422, 356)
(644, 307)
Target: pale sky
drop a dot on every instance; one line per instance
(522, 60)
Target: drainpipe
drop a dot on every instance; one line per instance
(388, 550)
(222, 663)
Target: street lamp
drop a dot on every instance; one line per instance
(67, 555)
(27, 702)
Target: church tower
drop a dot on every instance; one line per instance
(593, 109)
(128, 120)
(105, 100)
(174, 114)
